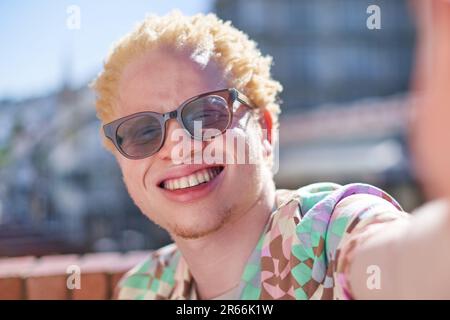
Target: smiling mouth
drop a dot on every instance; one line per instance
(202, 176)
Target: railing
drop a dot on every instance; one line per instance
(65, 277)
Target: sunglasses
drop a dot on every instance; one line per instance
(142, 134)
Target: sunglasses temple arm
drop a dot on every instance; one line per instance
(244, 100)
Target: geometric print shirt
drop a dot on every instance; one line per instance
(304, 251)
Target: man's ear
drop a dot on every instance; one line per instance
(266, 122)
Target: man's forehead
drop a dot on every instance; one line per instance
(160, 80)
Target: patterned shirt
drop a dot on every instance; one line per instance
(303, 252)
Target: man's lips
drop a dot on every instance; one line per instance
(183, 171)
(189, 192)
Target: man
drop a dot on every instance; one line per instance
(189, 85)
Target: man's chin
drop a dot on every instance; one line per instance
(195, 231)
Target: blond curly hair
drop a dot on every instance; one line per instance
(208, 37)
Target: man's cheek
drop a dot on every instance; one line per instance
(134, 184)
(246, 148)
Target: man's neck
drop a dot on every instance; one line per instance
(217, 260)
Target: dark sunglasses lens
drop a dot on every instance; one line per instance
(140, 136)
(206, 117)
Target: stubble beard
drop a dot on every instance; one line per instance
(190, 233)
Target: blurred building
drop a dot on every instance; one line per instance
(363, 141)
(323, 51)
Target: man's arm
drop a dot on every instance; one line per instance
(409, 255)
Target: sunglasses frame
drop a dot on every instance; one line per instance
(110, 129)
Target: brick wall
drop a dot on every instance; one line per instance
(48, 277)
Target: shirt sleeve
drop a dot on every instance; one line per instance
(355, 219)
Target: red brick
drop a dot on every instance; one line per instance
(12, 272)
(95, 276)
(47, 280)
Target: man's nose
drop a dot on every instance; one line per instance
(175, 136)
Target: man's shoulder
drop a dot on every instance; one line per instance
(330, 212)
(137, 281)
(316, 221)
(324, 196)
(318, 206)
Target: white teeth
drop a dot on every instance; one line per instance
(192, 180)
(205, 175)
(184, 183)
(200, 177)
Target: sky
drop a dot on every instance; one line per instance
(42, 44)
